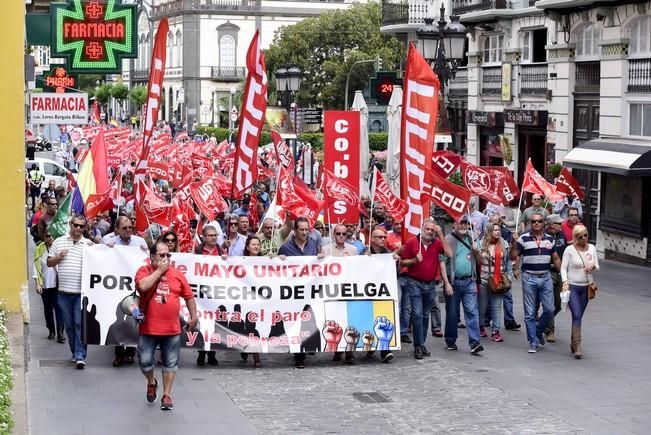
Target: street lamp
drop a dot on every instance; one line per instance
(231, 121)
(442, 46)
(288, 80)
(212, 105)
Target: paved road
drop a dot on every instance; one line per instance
(506, 390)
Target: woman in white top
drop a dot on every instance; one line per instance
(579, 261)
(45, 282)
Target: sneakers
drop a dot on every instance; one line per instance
(151, 391)
(451, 346)
(460, 325)
(476, 348)
(81, 364)
(513, 326)
(405, 339)
(166, 403)
(437, 333)
(497, 337)
(388, 357)
(550, 337)
(418, 353)
(533, 348)
(482, 332)
(425, 351)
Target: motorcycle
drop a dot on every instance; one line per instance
(43, 144)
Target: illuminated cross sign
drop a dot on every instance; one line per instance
(58, 80)
(94, 34)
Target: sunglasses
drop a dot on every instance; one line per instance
(168, 240)
(234, 224)
(166, 255)
(582, 236)
(340, 234)
(536, 221)
(78, 225)
(536, 199)
(380, 237)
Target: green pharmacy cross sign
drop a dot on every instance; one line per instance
(94, 35)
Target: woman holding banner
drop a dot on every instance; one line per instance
(252, 248)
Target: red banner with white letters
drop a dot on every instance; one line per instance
(452, 198)
(419, 114)
(252, 119)
(445, 163)
(510, 190)
(341, 131)
(283, 153)
(154, 91)
(567, 184)
(382, 193)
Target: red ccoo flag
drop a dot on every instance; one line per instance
(567, 184)
(154, 91)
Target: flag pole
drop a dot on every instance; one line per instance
(517, 221)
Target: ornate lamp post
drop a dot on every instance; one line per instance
(288, 80)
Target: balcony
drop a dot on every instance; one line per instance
(458, 88)
(396, 12)
(460, 7)
(639, 75)
(139, 75)
(227, 73)
(176, 7)
(491, 80)
(533, 79)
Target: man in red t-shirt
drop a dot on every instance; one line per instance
(420, 256)
(568, 224)
(160, 286)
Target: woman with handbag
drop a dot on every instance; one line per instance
(579, 261)
(495, 278)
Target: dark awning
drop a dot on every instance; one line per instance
(613, 155)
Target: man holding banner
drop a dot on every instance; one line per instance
(160, 286)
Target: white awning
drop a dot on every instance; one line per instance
(613, 155)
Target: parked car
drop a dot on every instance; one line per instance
(50, 169)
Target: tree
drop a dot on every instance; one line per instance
(138, 95)
(103, 94)
(120, 92)
(326, 47)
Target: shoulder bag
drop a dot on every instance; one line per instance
(592, 286)
(504, 284)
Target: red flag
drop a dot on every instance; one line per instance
(419, 114)
(535, 183)
(340, 194)
(295, 197)
(202, 166)
(252, 119)
(454, 199)
(97, 203)
(283, 153)
(152, 208)
(510, 190)
(96, 118)
(566, 183)
(154, 90)
(445, 163)
(395, 206)
(485, 181)
(159, 170)
(181, 223)
(205, 195)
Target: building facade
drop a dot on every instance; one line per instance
(206, 49)
(559, 81)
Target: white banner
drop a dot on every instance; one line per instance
(255, 304)
(53, 108)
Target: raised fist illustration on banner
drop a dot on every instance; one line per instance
(351, 335)
(367, 339)
(384, 331)
(332, 333)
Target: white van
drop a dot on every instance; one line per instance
(50, 169)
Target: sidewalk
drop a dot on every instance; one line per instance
(504, 390)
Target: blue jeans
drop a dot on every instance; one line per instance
(405, 306)
(537, 288)
(493, 303)
(508, 307)
(170, 350)
(464, 291)
(421, 296)
(70, 306)
(578, 302)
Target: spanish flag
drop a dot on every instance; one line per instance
(93, 176)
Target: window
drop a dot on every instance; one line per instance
(533, 46)
(179, 48)
(493, 49)
(586, 41)
(640, 119)
(622, 202)
(640, 41)
(170, 43)
(227, 51)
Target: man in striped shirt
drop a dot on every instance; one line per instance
(537, 251)
(67, 255)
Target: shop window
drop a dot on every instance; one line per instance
(493, 49)
(640, 119)
(533, 46)
(621, 205)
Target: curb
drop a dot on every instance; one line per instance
(17, 336)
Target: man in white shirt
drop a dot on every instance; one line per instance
(124, 236)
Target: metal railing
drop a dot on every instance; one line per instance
(139, 74)
(639, 75)
(227, 72)
(491, 80)
(533, 79)
(587, 77)
(405, 12)
(464, 6)
(177, 6)
(458, 87)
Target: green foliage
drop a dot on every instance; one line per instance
(6, 380)
(87, 82)
(120, 92)
(456, 179)
(103, 94)
(378, 141)
(555, 169)
(325, 48)
(138, 95)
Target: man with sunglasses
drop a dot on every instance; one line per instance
(67, 255)
(537, 250)
(233, 242)
(536, 207)
(161, 286)
(270, 240)
(51, 207)
(338, 247)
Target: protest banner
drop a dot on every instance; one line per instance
(254, 304)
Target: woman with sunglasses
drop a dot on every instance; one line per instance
(171, 240)
(252, 248)
(579, 261)
(45, 282)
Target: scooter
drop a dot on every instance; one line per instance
(43, 144)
